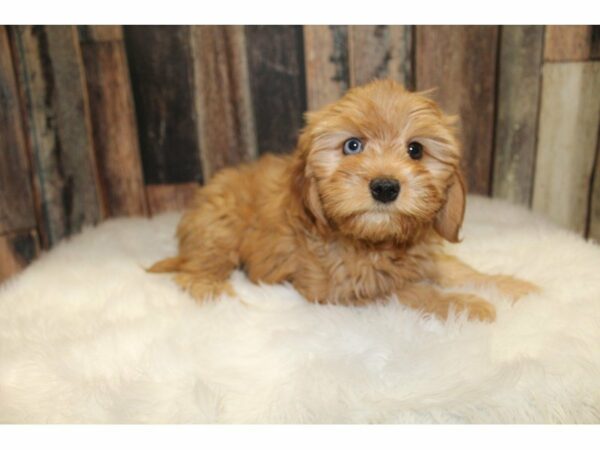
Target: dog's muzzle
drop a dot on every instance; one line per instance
(384, 190)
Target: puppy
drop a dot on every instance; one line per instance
(357, 213)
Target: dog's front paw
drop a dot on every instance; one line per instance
(203, 288)
(514, 288)
(476, 307)
(482, 310)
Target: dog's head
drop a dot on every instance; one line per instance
(381, 164)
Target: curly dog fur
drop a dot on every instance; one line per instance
(314, 219)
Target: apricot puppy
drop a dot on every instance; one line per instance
(357, 212)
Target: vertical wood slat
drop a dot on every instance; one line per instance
(18, 239)
(572, 43)
(51, 75)
(519, 84)
(170, 197)
(17, 250)
(326, 63)
(16, 197)
(593, 225)
(595, 44)
(570, 112)
(381, 51)
(113, 120)
(223, 99)
(161, 69)
(101, 33)
(461, 62)
(276, 71)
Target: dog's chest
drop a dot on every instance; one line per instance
(349, 274)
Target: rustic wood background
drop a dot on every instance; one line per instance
(105, 121)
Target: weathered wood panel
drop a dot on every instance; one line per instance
(519, 88)
(326, 63)
(223, 100)
(593, 231)
(276, 67)
(17, 250)
(16, 198)
(170, 197)
(381, 51)
(568, 131)
(113, 119)
(572, 42)
(161, 69)
(100, 33)
(461, 62)
(595, 46)
(51, 75)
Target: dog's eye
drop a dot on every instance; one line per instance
(353, 146)
(415, 150)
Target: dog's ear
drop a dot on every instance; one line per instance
(450, 218)
(312, 199)
(304, 185)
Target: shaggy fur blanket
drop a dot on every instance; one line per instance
(87, 336)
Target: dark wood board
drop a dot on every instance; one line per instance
(161, 70)
(276, 71)
(113, 122)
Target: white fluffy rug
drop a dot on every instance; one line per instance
(87, 336)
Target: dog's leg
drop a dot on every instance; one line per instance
(449, 271)
(209, 239)
(201, 269)
(429, 299)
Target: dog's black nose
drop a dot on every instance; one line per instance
(384, 190)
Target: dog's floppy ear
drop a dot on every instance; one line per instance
(312, 200)
(450, 218)
(304, 185)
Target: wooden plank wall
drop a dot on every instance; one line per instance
(113, 120)
(223, 102)
(18, 236)
(54, 97)
(518, 99)
(161, 69)
(567, 150)
(106, 121)
(277, 85)
(461, 63)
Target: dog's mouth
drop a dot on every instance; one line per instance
(377, 212)
(377, 217)
(377, 225)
